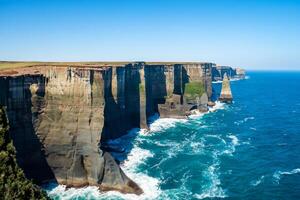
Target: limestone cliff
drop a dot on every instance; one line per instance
(232, 73)
(61, 117)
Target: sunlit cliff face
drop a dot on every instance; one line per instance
(59, 116)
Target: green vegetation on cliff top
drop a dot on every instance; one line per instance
(13, 183)
(193, 89)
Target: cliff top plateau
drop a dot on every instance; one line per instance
(21, 64)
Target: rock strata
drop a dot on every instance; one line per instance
(61, 116)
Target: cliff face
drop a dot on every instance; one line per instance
(219, 71)
(59, 116)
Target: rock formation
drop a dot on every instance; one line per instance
(226, 95)
(232, 73)
(61, 117)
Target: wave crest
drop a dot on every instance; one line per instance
(278, 174)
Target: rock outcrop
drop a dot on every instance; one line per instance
(226, 95)
(61, 117)
(232, 73)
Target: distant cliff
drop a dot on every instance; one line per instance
(60, 116)
(232, 73)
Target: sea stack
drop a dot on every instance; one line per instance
(226, 95)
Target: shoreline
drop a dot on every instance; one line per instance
(135, 157)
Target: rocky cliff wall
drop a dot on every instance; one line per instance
(232, 73)
(60, 117)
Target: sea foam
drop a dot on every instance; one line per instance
(278, 174)
(257, 182)
(164, 123)
(213, 190)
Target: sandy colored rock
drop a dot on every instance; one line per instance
(226, 95)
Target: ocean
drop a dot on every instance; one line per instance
(249, 149)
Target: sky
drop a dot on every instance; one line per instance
(252, 34)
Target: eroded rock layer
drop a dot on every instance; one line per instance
(61, 117)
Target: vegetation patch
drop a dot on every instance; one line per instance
(193, 90)
(13, 183)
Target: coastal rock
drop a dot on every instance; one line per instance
(203, 103)
(232, 73)
(115, 179)
(226, 95)
(211, 104)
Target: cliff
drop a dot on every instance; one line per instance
(61, 117)
(232, 73)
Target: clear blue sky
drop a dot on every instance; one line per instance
(252, 34)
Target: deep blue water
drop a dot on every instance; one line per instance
(247, 150)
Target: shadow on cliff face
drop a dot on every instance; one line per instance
(126, 109)
(156, 88)
(16, 96)
(122, 110)
(180, 79)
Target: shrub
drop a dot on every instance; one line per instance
(193, 89)
(13, 183)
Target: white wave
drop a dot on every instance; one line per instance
(164, 123)
(217, 81)
(216, 136)
(235, 140)
(244, 120)
(197, 147)
(219, 106)
(158, 124)
(149, 184)
(214, 189)
(232, 79)
(144, 132)
(136, 157)
(277, 175)
(230, 147)
(257, 182)
(61, 192)
(196, 114)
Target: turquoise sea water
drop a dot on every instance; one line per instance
(247, 150)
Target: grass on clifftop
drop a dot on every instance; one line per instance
(13, 183)
(20, 64)
(193, 89)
